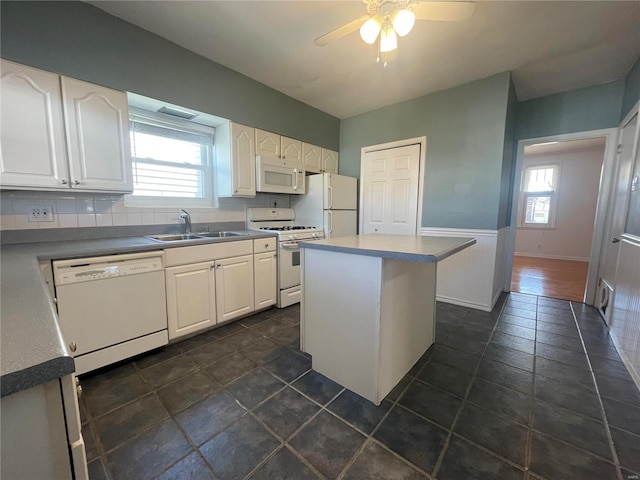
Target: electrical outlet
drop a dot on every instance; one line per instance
(273, 202)
(41, 213)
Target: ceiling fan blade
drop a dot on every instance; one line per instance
(340, 32)
(444, 11)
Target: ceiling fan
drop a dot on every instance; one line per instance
(387, 19)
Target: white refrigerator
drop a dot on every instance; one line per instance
(330, 202)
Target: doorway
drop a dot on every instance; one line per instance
(561, 190)
(556, 213)
(391, 183)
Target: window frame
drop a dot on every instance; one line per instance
(552, 194)
(164, 121)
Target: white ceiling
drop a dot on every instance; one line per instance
(549, 46)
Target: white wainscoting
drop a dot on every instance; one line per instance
(473, 277)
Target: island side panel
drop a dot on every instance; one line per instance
(341, 299)
(407, 319)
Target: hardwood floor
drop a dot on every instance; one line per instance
(563, 279)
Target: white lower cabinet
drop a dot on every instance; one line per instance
(265, 267)
(215, 283)
(191, 298)
(234, 287)
(41, 434)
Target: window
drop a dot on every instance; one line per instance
(539, 196)
(172, 161)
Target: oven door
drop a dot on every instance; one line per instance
(288, 265)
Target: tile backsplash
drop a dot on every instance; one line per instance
(71, 209)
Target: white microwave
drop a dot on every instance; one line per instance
(273, 175)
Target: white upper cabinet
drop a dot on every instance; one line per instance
(235, 160)
(267, 143)
(97, 120)
(312, 158)
(291, 151)
(329, 161)
(61, 133)
(273, 145)
(32, 145)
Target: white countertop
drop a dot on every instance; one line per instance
(400, 247)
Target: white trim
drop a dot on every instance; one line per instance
(458, 232)
(551, 257)
(606, 179)
(422, 141)
(472, 278)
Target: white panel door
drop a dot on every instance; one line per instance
(340, 192)
(234, 287)
(267, 143)
(32, 144)
(191, 298)
(265, 267)
(390, 190)
(243, 160)
(97, 120)
(620, 195)
(340, 223)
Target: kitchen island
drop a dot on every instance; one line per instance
(368, 306)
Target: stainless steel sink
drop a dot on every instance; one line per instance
(178, 237)
(221, 234)
(174, 237)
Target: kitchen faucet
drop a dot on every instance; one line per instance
(187, 221)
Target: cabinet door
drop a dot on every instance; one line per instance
(291, 151)
(32, 148)
(312, 158)
(267, 143)
(97, 120)
(265, 270)
(234, 287)
(191, 298)
(243, 159)
(329, 161)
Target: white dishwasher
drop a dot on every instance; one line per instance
(111, 307)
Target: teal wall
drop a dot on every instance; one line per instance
(81, 41)
(590, 108)
(631, 89)
(465, 130)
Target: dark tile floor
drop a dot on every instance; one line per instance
(520, 393)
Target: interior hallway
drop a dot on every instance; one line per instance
(547, 277)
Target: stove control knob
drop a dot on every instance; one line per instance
(292, 237)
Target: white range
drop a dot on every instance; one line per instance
(282, 222)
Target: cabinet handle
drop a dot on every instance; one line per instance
(73, 346)
(212, 266)
(76, 182)
(615, 240)
(63, 182)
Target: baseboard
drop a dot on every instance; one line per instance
(551, 257)
(495, 298)
(463, 303)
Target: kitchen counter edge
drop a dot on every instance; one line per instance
(408, 254)
(32, 345)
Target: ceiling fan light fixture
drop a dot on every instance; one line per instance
(403, 21)
(388, 39)
(370, 29)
